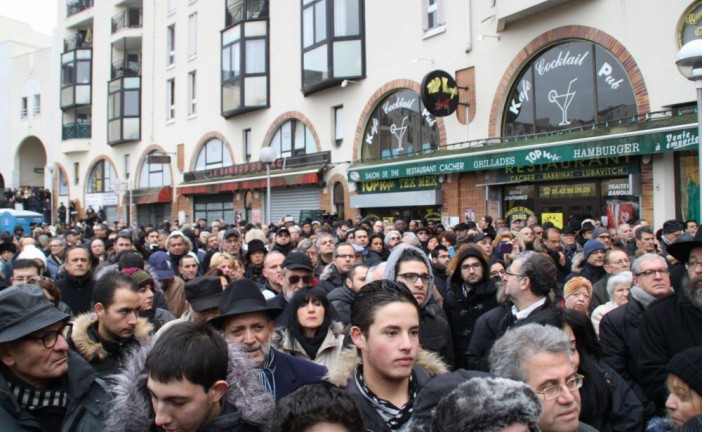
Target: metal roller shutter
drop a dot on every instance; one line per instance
(153, 213)
(212, 207)
(290, 201)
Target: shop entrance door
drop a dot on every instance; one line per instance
(549, 210)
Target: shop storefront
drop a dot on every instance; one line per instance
(389, 199)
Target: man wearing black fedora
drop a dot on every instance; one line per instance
(672, 324)
(44, 385)
(247, 320)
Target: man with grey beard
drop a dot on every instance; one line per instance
(672, 324)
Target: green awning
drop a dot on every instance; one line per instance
(660, 140)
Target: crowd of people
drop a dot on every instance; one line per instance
(357, 325)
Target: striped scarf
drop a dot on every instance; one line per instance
(33, 399)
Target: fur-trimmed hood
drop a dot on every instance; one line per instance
(341, 373)
(92, 350)
(132, 410)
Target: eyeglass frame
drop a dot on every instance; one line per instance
(412, 277)
(650, 273)
(577, 379)
(695, 265)
(66, 335)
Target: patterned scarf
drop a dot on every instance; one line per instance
(33, 399)
(267, 373)
(395, 418)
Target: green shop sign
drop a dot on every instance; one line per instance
(571, 170)
(583, 149)
(399, 185)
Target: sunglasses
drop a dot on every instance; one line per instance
(293, 280)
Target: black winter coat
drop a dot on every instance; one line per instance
(463, 312)
(669, 326)
(619, 339)
(484, 337)
(434, 331)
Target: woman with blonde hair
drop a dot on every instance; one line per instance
(229, 265)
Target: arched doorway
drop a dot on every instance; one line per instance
(30, 162)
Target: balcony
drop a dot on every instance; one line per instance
(77, 41)
(79, 129)
(130, 18)
(126, 68)
(75, 6)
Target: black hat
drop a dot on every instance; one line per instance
(482, 236)
(425, 229)
(23, 310)
(461, 227)
(681, 249)
(204, 292)
(241, 297)
(8, 246)
(282, 229)
(672, 226)
(587, 226)
(570, 228)
(687, 365)
(231, 232)
(255, 245)
(297, 260)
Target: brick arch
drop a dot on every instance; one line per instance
(375, 98)
(333, 180)
(552, 37)
(142, 161)
(91, 165)
(201, 144)
(273, 128)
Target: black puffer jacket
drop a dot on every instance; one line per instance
(463, 311)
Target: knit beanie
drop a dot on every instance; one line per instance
(487, 404)
(573, 285)
(598, 231)
(591, 246)
(139, 276)
(687, 365)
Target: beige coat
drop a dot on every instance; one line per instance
(328, 351)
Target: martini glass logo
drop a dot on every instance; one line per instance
(399, 132)
(563, 101)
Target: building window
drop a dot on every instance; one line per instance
(170, 44)
(124, 110)
(154, 174)
(333, 43)
(126, 166)
(101, 176)
(76, 78)
(192, 40)
(400, 126)
(338, 125)
(192, 93)
(339, 200)
(170, 99)
(245, 57)
(573, 84)
(62, 183)
(247, 144)
(293, 138)
(213, 155)
(36, 108)
(433, 15)
(76, 171)
(24, 107)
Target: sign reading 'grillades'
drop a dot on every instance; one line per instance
(585, 149)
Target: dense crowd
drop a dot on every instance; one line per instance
(358, 325)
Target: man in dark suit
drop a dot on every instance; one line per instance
(248, 321)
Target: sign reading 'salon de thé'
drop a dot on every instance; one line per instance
(439, 93)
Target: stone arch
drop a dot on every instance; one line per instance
(142, 161)
(551, 37)
(288, 116)
(204, 140)
(379, 94)
(30, 160)
(91, 166)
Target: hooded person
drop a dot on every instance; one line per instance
(471, 293)
(412, 267)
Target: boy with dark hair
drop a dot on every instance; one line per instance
(191, 380)
(386, 369)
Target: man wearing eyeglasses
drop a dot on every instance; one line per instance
(540, 356)
(411, 266)
(471, 293)
(620, 329)
(45, 386)
(616, 261)
(673, 323)
(334, 275)
(296, 274)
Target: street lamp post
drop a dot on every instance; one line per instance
(690, 66)
(268, 156)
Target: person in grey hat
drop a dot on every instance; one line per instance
(672, 229)
(45, 386)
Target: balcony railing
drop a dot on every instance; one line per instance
(79, 129)
(125, 67)
(130, 18)
(75, 6)
(77, 41)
